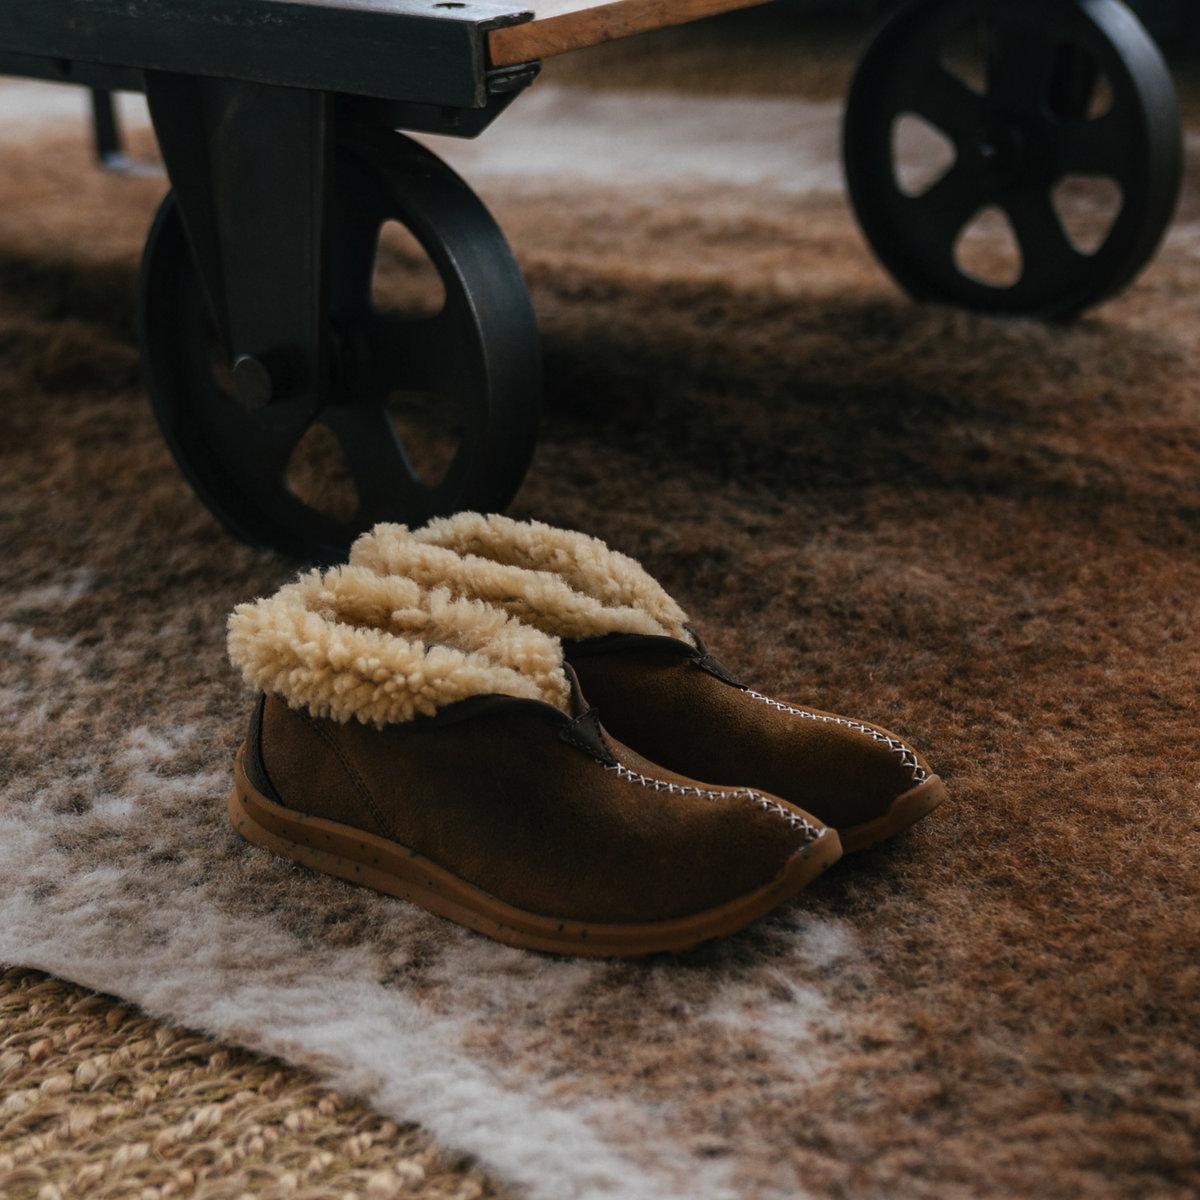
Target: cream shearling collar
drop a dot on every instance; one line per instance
(352, 644)
(560, 581)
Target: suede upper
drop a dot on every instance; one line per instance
(499, 792)
(687, 716)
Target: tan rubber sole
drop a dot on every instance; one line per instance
(389, 867)
(906, 810)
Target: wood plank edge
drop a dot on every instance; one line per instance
(603, 23)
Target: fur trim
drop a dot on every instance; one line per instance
(559, 581)
(350, 643)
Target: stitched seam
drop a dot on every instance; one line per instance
(908, 756)
(356, 780)
(794, 820)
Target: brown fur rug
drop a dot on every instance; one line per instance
(984, 534)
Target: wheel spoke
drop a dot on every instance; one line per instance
(416, 355)
(942, 99)
(264, 444)
(387, 485)
(1096, 147)
(256, 450)
(937, 216)
(1072, 84)
(1046, 251)
(1020, 62)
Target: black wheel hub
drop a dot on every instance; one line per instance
(1004, 154)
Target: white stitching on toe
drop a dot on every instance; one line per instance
(908, 756)
(794, 820)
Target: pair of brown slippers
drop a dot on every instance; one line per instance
(514, 727)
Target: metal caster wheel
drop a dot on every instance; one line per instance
(433, 398)
(1024, 100)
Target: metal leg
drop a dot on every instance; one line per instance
(260, 327)
(106, 131)
(104, 121)
(250, 166)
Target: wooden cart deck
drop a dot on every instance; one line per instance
(561, 25)
(431, 52)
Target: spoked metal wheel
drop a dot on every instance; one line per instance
(1055, 120)
(433, 396)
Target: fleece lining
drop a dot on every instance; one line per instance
(560, 581)
(351, 644)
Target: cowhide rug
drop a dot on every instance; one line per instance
(982, 533)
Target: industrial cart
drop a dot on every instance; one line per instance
(278, 125)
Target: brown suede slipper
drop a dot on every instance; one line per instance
(657, 688)
(514, 815)
(680, 707)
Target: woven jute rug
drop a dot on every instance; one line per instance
(982, 533)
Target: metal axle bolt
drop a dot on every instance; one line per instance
(257, 385)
